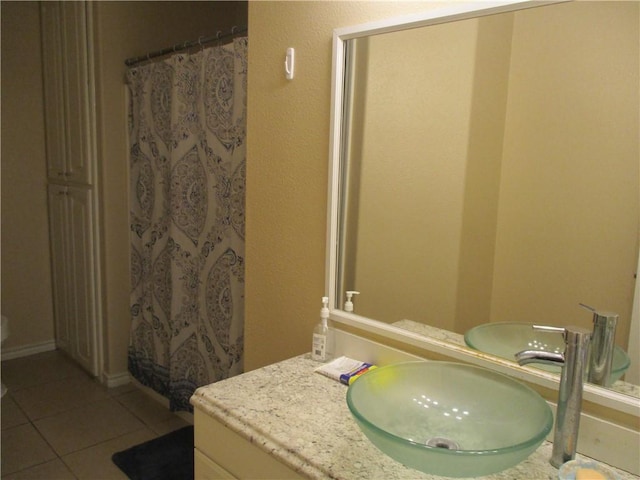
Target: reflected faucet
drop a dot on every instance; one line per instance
(602, 346)
(574, 363)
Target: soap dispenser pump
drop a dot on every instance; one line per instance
(322, 345)
(348, 305)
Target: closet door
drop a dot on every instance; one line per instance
(66, 85)
(73, 273)
(81, 277)
(76, 90)
(52, 53)
(58, 221)
(71, 173)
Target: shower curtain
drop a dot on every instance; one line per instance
(187, 116)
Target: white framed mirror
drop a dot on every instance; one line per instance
(453, 39)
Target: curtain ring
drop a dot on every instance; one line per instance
(233, 30)
(218, 34)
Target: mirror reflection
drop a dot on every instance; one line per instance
(490, 170)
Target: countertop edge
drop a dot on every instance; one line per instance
(256, 437)
(242, 404)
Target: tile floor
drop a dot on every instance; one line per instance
(58, 423)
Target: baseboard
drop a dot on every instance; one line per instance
(26, 350)
(186, 416)
(116, 379)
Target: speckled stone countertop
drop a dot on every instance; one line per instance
(301, 418)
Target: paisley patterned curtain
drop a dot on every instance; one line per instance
(187, 180)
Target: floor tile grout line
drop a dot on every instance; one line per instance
(83, 405)
(32, 423)
(35, 427)
(42, 437)
(72, 374)
(138, 417)
(80, 375)
(68, 467)
(22, 411)
(118, 397)
(61, 457)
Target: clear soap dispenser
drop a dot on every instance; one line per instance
(322, 347)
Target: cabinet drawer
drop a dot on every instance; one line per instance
(207, 469)
(234, 454)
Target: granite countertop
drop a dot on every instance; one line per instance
(301, 418)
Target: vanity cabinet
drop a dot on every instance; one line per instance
(71, 175)
(286, 421)
(221, 453)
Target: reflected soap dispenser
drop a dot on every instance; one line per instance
(348, 305)
(322, 346)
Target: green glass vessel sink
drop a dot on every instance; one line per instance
(449, 419)
(505, 339)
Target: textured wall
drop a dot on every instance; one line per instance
(287, 167)
(26, 274)
(288, 132)
(122, 30)
(581, 244)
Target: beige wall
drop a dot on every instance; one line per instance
(444, 151)
(287, 168)
(484, 164)
(288, 131)
(423, 152)
(26, 274)
(122, 30)
(442, 148)
(589, 199)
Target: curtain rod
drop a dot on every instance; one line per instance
(178, 47)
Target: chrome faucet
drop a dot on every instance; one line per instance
(602, 346)
(574, 363)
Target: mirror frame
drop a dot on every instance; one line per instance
(592, 393)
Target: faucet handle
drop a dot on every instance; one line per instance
(572, 334)
(547, 328)
(602, 318)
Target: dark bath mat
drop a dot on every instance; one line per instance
(169, 457)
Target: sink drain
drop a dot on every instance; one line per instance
(441, 442)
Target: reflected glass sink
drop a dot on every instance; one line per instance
(505, 339)
(449, 419)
